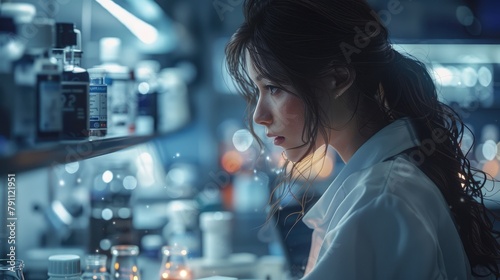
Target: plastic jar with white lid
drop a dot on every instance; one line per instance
(217, 235)
(65, 267)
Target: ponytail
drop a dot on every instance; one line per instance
(408, 83)
(407, 90)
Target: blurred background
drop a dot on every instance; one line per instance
(197, 155)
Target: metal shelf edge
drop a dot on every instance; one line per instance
(65, 152)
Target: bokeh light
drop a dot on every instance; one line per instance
(72, 167)
(107, 214)
(492, 168)
(242, 140)
(469, 77)
(107, 176)
(484, 75)
(489, 150)
(129, 182)
(231, 161)
(464, 15)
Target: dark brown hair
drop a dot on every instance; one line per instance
(300, 42)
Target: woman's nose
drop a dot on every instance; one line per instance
(262, 114)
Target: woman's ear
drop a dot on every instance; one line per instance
(343, 78)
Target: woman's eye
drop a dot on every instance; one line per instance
(272, 89)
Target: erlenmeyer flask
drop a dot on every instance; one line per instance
(11, 269)
(124, 262)
(174, 264)
(95, 268)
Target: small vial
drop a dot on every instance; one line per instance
(65, 267)
(95, 268)
(98, 103)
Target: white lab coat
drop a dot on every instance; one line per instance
(384, 219)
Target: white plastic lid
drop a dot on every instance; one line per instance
(116, 71)
(64, 265)
(22, 13)
(219, 221)
(96, 72)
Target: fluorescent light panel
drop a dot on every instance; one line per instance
(142, 30)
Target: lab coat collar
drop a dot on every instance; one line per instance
(391, 140)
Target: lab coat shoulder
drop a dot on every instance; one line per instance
(396, 179)
(390, 226)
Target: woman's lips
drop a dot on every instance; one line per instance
(278, 140)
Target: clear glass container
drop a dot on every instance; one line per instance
(11, 269)
(95, 268)
(124, 262)
(174, 264)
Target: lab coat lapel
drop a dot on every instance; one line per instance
(388, 142)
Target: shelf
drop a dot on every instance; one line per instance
(48, 154)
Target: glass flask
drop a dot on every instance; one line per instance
(11, 269)
(124, 262)
(95, 268)
(174, 264)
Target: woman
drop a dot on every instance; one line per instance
(407, 205)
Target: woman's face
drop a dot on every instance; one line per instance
(281, 113)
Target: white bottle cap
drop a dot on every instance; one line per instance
(64, 265)
(219, 221)
(22, 13)
(96, 72)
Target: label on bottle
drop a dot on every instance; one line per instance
(75, 109)
(122, 106)
(49, 104)
(98, 106)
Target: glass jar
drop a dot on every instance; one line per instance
(95, 268)
(124, 262)
(174, 264)
(11, 269)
